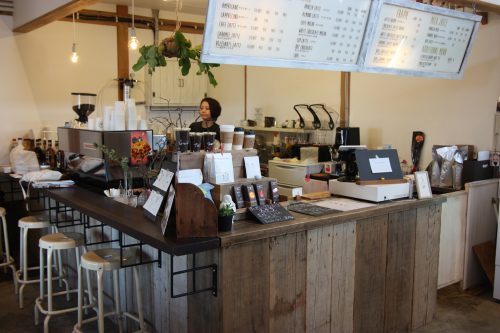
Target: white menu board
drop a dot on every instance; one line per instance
(421, 40)
(325, 34)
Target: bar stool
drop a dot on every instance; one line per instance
(106, 260)
(58, 241)
(8, 260)
(26, 224)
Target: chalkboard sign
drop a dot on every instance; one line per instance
(317, 34)
(310, 209)
(420, 40)
(270, 213)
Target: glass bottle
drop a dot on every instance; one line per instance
(60, 158)
(13, 143)
(50, 156)
(40, 154)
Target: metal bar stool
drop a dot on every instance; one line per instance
(5, 258)
(58, 241)
(106, 260)
(25, 224)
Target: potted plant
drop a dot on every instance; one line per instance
(226, 215)
(177, 46)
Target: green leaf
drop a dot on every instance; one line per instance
(141, 62)
(211, 78)
(162, 61)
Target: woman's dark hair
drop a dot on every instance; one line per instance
(215, 108)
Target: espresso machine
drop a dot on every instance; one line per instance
(343, 156)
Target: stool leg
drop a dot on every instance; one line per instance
(1, 245)
(80, 293)
(24, 257)
(100, 302)
(50, 307)
(42, 274)
(116, 289)
(89, 285)
(7, 253)
(139, 299)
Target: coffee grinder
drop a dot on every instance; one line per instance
(343, 157)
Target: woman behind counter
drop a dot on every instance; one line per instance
(210, 110)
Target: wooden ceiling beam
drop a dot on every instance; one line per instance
(111, 19)
(55, 15)
(480, 5)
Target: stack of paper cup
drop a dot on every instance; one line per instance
(119, 116)
(91, 123)
(131, 115)
(107, 122)
(226, 137)
(238, 137)
(98, 124)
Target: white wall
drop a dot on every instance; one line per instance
(38, 78)
(17, 106)
(389, 108)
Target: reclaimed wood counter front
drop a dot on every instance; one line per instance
(370, 270)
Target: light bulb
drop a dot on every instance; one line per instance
(74, 55)
(133, 43)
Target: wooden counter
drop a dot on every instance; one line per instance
(128, 220)
(370, 270)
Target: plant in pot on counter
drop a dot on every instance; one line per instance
(176, 46)
(226, 214)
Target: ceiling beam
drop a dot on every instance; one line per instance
(480, 5)
(55, 15)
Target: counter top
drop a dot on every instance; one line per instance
(129, 220)
(249, 230)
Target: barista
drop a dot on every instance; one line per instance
(210, 110)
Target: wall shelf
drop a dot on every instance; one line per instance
(277, 129)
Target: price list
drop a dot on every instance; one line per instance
(411, 39)
(322, 31)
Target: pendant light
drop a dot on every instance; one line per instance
(133, 43)
(74, 55)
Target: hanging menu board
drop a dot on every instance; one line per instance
(413, 39)
(322, 34)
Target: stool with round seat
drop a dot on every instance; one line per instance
(108, 260)
(26, 224)
(6, 259)
(50, 243)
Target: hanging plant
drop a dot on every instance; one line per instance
(177, 46)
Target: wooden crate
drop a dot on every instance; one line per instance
(195, 161)
(220, 190)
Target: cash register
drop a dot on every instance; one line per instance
(380, 176)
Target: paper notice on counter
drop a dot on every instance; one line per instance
(163, 180)
(252, 167)
(154, 202)
(343, 204)
(380, 165)
(191, 176)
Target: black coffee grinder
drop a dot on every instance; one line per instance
(83, 105)
(344, 159)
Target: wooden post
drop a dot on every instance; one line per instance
(345, 98)
(122, 48)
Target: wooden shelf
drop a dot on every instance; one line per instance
(277, 129)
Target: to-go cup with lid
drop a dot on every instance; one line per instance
(238, 138)
(249, 139)
(226, 137)
(182, 139)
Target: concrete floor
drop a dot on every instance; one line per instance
(457, 312)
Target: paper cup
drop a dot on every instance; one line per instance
(238, 138)
(91, 123)
(249, 140)
(226, 136)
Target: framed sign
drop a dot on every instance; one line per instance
(313, 34)
(410, 38)
(423, 185)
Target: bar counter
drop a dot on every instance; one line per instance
(369, 270)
